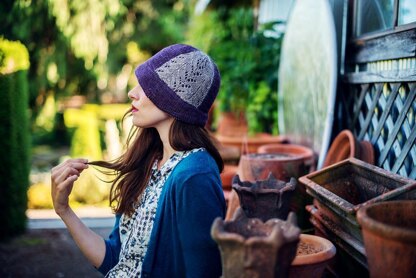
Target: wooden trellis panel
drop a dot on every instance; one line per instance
(384, 114)
(377, 97)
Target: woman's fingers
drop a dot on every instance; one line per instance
(71, 167)
(70, 162)
(66, 173)
(76, 162)
(63, 177)
(66, 186)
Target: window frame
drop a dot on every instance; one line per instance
(371, 35)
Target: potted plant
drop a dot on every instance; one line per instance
(257, 108)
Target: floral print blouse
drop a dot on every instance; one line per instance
(135, 231)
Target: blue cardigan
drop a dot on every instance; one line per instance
(180, 243)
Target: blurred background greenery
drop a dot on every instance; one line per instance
(82, 54)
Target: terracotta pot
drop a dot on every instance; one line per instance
(227, 176)
(345, 145)
(389, 230)
(312, 257)
(251, 248)
(283, 165)
(296, 150)
(249, 144)
(229, 154)
(232, 124)
(265, 199)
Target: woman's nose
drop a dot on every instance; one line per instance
(132, 95)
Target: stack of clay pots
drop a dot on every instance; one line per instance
(259, 242)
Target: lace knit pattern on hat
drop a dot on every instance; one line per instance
(195, 76)
(182, 81)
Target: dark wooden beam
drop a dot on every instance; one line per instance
(404, 75)
(389, 46)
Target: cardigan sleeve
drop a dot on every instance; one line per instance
(200, 201)
(112, 249)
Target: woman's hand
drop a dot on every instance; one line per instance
(63, 177)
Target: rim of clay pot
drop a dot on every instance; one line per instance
(367, 152)
(346, 145)
(259, 138)
(304, 152)
(338, 151)
(288, 156)
(328, 250)
(368, 216)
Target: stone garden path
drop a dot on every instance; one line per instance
(47, 249)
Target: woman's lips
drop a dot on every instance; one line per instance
(134, 109)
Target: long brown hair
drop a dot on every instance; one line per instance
(132, 170)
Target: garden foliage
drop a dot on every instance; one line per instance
(14, 137)
(248, 59)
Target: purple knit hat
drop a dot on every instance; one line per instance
(182, 81)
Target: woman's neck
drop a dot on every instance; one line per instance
(168, 150)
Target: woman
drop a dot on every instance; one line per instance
(167, 187)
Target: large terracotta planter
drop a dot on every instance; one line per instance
(251, 248)
(283, 165)
(389, 230)
(345, 145)
(340, 190)
(312, 257)
(265, 199)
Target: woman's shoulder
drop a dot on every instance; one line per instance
(198, 168)
(197, 162)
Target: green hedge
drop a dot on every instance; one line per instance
(85, 122)
(14, 137)
(85, 140)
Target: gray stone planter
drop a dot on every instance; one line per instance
(265, 199)
(252, 248)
